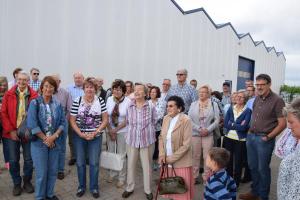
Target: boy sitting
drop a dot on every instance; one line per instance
(219, 185)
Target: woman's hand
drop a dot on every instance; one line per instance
(162, 160)
(204, 132)
(113, 134)
(49, 141)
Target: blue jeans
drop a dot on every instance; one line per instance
(62, 154)
(259, 158)
(93, 150)
(14, 160)
(46, 167)
(5, 150)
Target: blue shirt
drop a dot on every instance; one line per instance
(35, 84)
(37, 118)
(250, 102)
(187, 92)
(75, 91)
(220, 186)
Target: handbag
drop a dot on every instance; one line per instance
(112, 160)
(286, 144)
(170, 184)
(23, 132)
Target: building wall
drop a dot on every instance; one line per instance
(137, 40)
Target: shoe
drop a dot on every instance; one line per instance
(248, 196)
(52, 198)
(149, 196)
(126, 194)
(198, 180)
(120, 184)
(60, 175)
(110, 179)
(95, 194)
(80, 192)
(72, 161)
(27, 186)
(17, 191)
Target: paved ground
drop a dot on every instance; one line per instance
(66, 189)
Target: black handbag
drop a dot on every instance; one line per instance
(170, 184)
(24, 133)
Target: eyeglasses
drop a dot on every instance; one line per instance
(165, 84)
(240, 97)
(261, 85)
(36, 73)
(170, 106)
(180, 74)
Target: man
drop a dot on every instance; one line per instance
(75, 91)
(65, 99)
(15, 74)
(267, 122)
(184, 90)
(248, 83)
(14, 107)
(193, 83)
(35, 82)
(100, 91)
(226, 94)
(165, 88)
(251, 93)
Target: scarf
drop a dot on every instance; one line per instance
(115, 112)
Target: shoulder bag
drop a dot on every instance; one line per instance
(113, 161)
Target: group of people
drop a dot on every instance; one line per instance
(206, 136)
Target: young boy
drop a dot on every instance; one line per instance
(219, 185)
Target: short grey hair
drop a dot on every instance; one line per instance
(293, 108)
(24, 73)
(145, 87)
(183, 70)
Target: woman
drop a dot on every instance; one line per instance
(160, 107)
(129, 90)
(46, 120)
(3, 89)
(140, 138)
(88, 119)
(288, 187)
(117, 106)
(237, 123)
(205, 117)
(175, 145)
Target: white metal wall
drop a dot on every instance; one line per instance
(137, 40)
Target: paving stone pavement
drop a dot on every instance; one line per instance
(66, 189)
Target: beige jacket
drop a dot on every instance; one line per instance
(181, 141)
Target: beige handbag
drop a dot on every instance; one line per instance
(113, 161)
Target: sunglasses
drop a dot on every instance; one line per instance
(180, 74)
(36, 73)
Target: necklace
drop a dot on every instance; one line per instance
(88, 101)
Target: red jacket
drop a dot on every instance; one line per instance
(9, 109)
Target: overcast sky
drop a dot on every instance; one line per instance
(274, 21)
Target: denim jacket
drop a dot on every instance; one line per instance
(36, 116)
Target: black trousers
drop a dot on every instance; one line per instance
(156, 151)
(238, 157)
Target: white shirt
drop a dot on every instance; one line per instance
(110, 104)
(169, 135)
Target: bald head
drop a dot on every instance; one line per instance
(78, 79)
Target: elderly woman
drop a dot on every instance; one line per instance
(140, 138)
(205, 117)
(160, 107)
(288, 187)
(117, 106)
(46, 120)
(175, 145)
(3, 89)
(236, 123)
(88, 119)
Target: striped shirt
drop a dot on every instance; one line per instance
(141, 125)
(187, 92)
(35, 84)
(88, 116)
(75, 91)
(220, 186)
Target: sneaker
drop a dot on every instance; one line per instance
(126, 194)
(27, 186)
(17, 191)
(120, 184)
(198, 180)
(52, 198)
(248, 196)
(95, 194)
(80, 192)
(72, 161)
(149, 196)
(60, 175)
